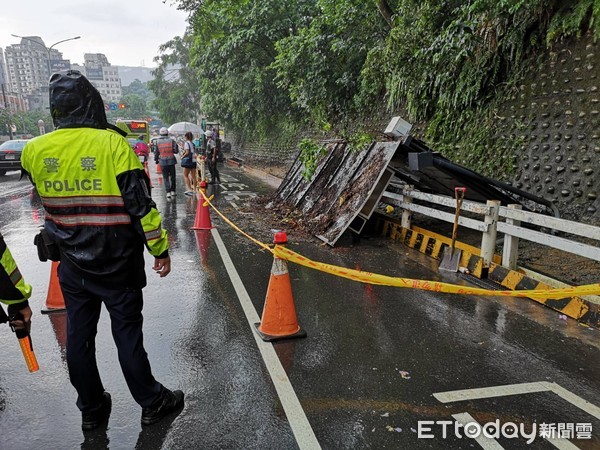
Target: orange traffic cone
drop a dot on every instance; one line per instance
(279, 319)
(202, 221)
(158, 169)
(59, 326)
(55, 301)
(203, 242)
(147, 170)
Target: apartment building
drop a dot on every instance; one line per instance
(27, 66)
(103, 76)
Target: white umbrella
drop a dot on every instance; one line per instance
(184, 127)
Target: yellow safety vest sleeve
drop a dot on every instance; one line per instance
(13, 288)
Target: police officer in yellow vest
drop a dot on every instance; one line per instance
(100, 214)
(14, 292)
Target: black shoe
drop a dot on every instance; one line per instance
(168, 403)
(92, 420)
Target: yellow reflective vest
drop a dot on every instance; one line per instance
(97, 201)
(13, 288)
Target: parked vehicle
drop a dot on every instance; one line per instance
(10, 155)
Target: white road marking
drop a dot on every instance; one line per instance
(562, 444)
(485, 442)
(238, 186)
(239, 211)
(303, 432)
(494, 391)
(582, 404)
(517, 389)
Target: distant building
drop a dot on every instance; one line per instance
(28, 68)
(129, 74)
(8, 99)
(14, 102)
(103, 76)
(3, 77)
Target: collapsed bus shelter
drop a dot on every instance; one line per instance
(347, 185)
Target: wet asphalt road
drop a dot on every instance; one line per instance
(364, 377)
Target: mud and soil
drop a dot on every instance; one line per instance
(556, 264)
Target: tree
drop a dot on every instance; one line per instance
(175, 82)
(138, 88)
(233, 49)
(25, 122)
(319, 66)
(386, 11)
(266, 67)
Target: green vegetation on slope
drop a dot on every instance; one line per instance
(269, 68)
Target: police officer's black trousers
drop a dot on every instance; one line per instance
(168, 173)
(214, 171)
(83, 299)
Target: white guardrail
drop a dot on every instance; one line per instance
(502, 219)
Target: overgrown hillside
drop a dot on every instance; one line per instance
(268, 69)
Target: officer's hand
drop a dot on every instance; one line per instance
(26, 322)
(162, 266)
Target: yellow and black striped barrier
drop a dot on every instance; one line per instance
(433, 244)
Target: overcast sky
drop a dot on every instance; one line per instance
(128, 32)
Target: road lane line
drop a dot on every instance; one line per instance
(494, 391)
(562, 444)
(518, 389)
(582, 404)
(485, 442)
(237, 208)
(303, 432)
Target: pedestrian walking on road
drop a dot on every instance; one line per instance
(188, 162)
(100, 215)
(14, 292)
(166, 148)
(211, 156)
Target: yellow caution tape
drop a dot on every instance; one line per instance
(232, 225)
(435, 286)
(207, 202)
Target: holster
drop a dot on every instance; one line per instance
(47, 249)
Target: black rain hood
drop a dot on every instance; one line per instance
(76, 103)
